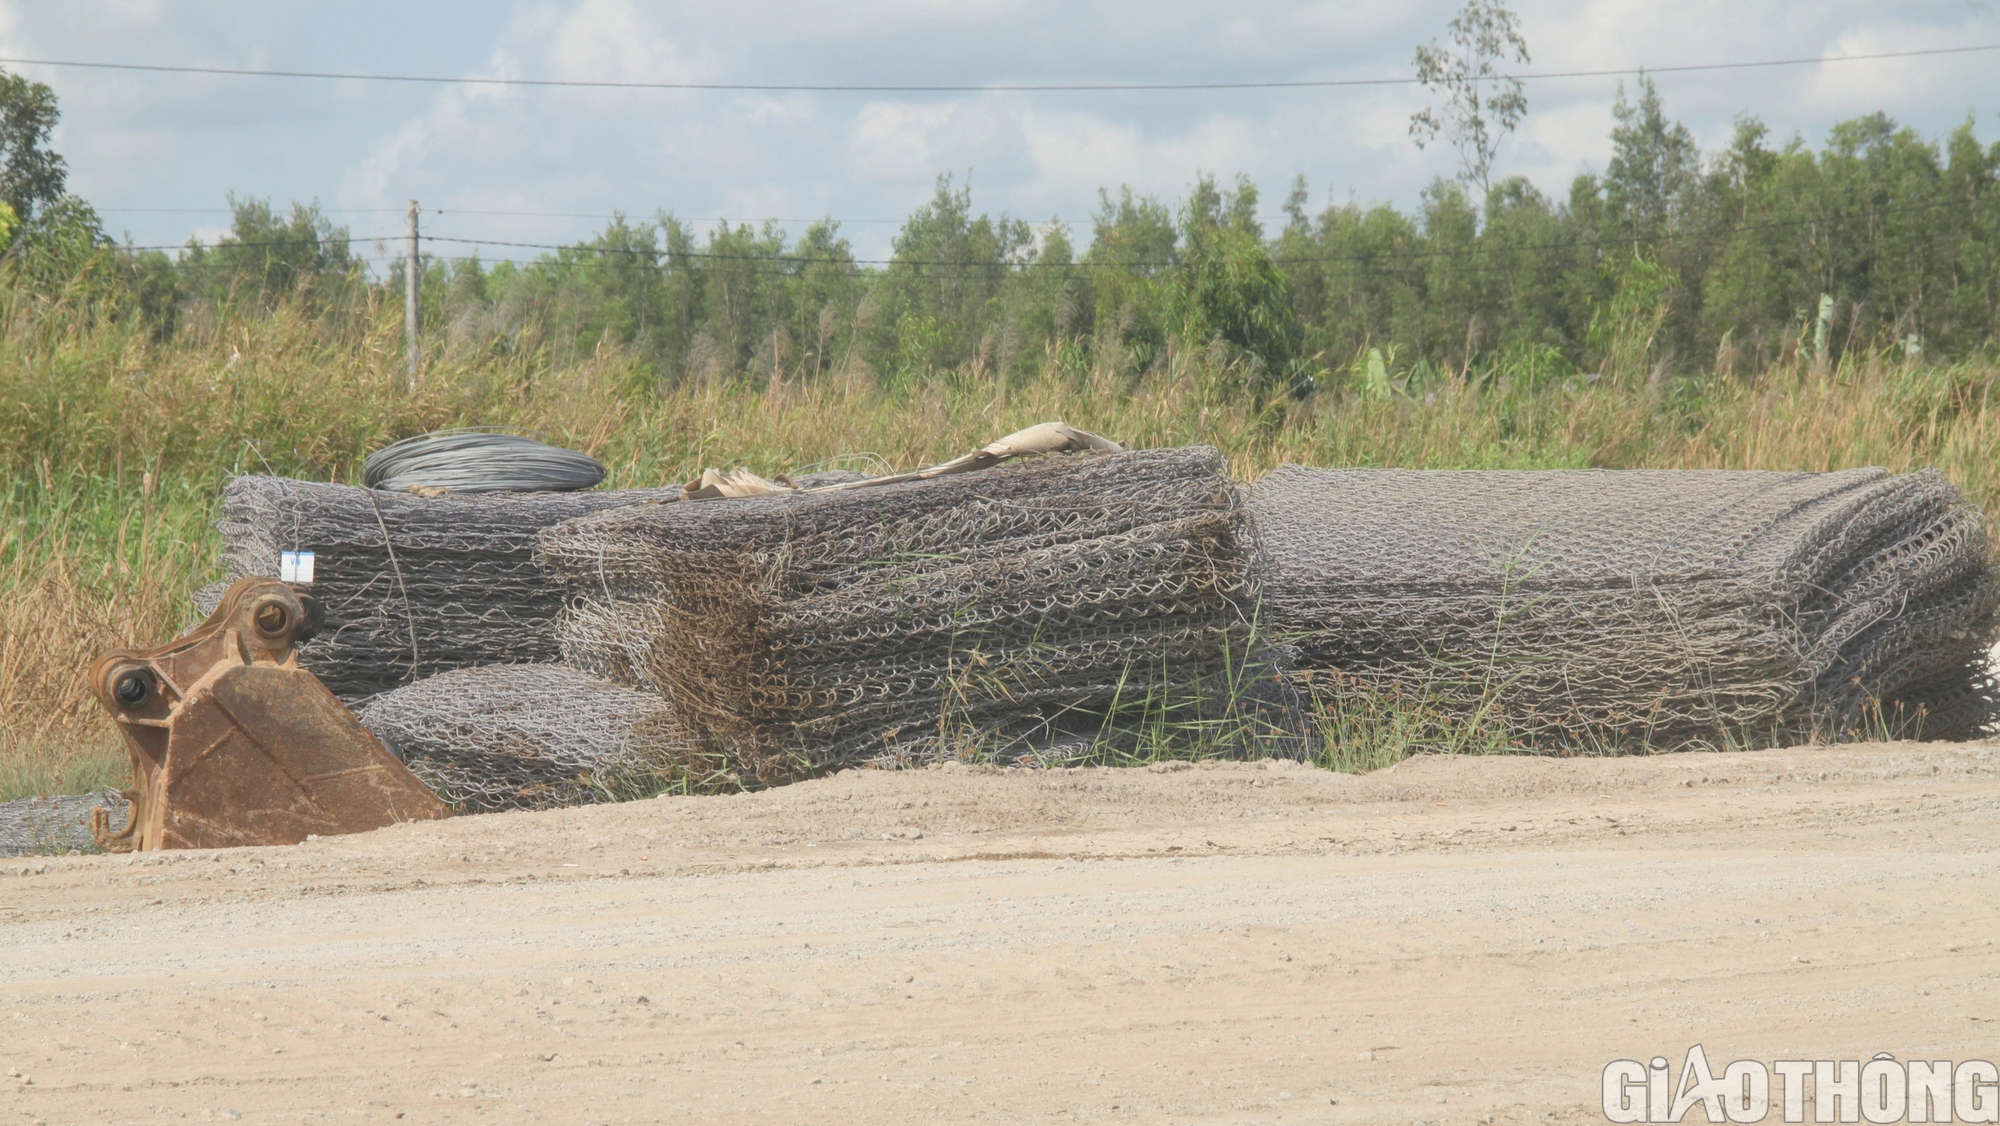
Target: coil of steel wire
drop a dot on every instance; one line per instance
(479, 460)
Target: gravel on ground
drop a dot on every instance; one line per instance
(1465, 940)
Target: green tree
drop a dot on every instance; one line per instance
(827, 289)
(267, 257)
(1133, 252)
(1481, 105)
(1227, 288)
(31, 176)
(943, 294)
(1655, 169)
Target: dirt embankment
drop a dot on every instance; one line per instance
(1463, 940)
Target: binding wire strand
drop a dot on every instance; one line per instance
(409, 616)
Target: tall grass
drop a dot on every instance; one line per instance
(115, 445)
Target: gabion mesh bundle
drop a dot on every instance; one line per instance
(610, 633)
(412, 585)
(527, 737)
(1639, 608)
(903, 622)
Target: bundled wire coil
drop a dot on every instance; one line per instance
(477, 460)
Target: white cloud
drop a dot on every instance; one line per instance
(894, 140)
(1568, 136)
(1853, 88)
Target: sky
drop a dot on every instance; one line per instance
(158, 154)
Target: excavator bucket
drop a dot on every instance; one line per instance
(234, 744)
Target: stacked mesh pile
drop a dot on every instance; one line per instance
(412, 585)
(527, 737)
(1609, 610)
(903, 622)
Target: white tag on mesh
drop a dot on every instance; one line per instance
(295, 567)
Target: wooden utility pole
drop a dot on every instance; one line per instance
(413, 274)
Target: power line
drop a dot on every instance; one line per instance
(1364, 258)
(796, 258)
(487, 211)
(1566, 244)
(959, 88)
(297, 243)
(232, 267)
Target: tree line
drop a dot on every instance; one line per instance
(1671, 260)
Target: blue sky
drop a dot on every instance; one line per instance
(138, 141)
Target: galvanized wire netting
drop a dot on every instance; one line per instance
(1618, 609)
(993, 611)
(1050, 609)
(412, 585)
(527, 737)
(610, 633)
(57, 823)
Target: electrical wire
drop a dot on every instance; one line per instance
(516, 214)
(479, 460)
(265, 243)
(789, 263)
(1565, 244)
(954, 88)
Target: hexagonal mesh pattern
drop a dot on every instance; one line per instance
(1639, 608)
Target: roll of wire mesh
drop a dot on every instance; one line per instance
(530, 736)
(413, 585)
(479, 460)
(428, 569)
(1621, 610)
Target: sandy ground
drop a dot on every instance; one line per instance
(1447, 941)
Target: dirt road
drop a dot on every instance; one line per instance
(1446, 941)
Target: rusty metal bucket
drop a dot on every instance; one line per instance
(233, 743)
